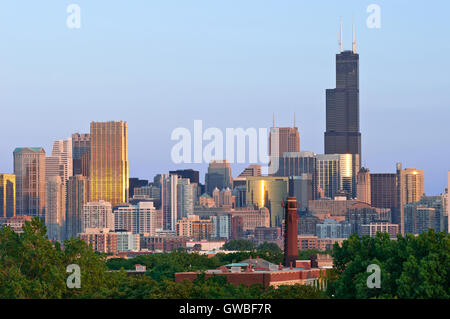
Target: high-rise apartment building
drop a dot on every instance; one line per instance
(108, 179)
(55, 214)
(97, 215)
(342, 134)
(77, 197)
(141, 218)
(29, 168)
(7, 195)
(60, 162)
(363, 186)
(81, 153)
(411, 188)
(169, 205)
(185, 197)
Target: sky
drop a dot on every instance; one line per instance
(162, 64)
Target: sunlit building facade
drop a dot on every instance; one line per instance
(109, 177)
(270, 192)
(29, 168)
(7, 195)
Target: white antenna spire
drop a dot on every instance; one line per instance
(294, 119)
(354, 39)
(340, 38)
(273, 119)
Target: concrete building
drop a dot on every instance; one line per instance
(169, 198)
(55, 216)
(100, 239)
(109, 177)
(60, 163)
(195, 227)
(97, 215)
(141, 218)
(77, 197)
(16, 222)
(330, 228)
(221, 226)
(363, 193)
(127, 241)
(381, 227)
(411, 187)
(29, 168)
(7, 195)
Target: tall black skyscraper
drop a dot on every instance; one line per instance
(342, 106)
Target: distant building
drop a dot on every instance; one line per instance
(221, 226)
(363, 193)
(30, 188)
(411, 187)
(342, 134)
(268, 192)
(108, 179)
(100, 239)
(162, 243)
(266, 234)
(330, 228)
(77, 197)
(381, 227)
(303, 188)
(141, 218)
(55, 216)
(383, 190)
(16, 222)
(283, 139)
(306, 242)
(195, 227)
(127, 241)
(219, 175)
(190, 174)
(7, 195)
(134, 183)
(81, 153)
(97, 215)
(60, 162)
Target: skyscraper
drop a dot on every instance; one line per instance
(411, 188)
(383, 190)
(169, 201)
(55, 213)
(81, 148)
(97, 215)
(77, 196)
(29, 168)
(342, 134)
(109, 162)
(282, 140)
(62, 151)
(219, 175)
(7, 195)
(270, 192)
(363, 186)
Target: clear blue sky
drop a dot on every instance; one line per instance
(231, 63)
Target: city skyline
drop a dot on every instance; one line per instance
(233, 90)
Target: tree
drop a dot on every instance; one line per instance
(240, 245)
(411, 266)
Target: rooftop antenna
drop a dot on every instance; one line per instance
(354, 39)
(340, 38)
(273, 120)
(294, 120)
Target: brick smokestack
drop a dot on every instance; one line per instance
(290, 232)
